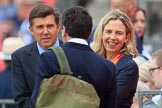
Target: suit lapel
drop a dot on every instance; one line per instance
(122, 61)
(33, 55)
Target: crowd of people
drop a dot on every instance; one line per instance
(113, 59)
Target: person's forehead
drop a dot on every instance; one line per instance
(50, 19)
(153, 62)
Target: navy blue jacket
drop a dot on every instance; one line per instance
(94, 69)
(6, 86)
(127, 77)
(24, 62)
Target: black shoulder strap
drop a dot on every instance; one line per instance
(62, 60)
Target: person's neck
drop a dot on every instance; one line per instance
(66, 38)
(110, 56)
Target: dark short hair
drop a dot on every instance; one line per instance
(43, 10)
(77, 21)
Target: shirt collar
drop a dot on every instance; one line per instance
(78, 40)
(41, 50)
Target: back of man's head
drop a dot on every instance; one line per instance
(77, 22)
(127, 6)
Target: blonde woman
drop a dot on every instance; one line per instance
(147, 99)
(144, 74)
(114, 40)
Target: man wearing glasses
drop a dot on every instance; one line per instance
(156, 73)
(156, 69)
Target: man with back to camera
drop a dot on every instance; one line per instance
(44, 26)
(92, 68)
(156, 73)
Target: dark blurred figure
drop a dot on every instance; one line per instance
(140, 28)
(9, 23)
(126, 6)
(8, 17)
(10, 44)
(83, 3)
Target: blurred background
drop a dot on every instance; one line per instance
(153, 8)
(14, 23)
(14, 12)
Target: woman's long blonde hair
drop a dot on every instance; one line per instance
(130, 45)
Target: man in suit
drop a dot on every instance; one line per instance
(44, 26)
(156, 73)
(101, 73)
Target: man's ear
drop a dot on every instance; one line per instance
(58, 26)
(64, 35)
(31, 29)
(63, 31)
(90, 34)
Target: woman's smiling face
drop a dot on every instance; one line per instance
(114, 36)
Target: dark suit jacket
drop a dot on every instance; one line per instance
(24, 62)
(83, 62)
(127, 77)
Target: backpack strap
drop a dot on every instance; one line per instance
(62, 60)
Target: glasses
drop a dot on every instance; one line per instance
(153, 69)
